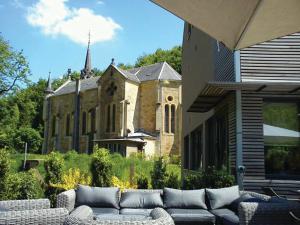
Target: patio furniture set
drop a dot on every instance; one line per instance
(97, 206)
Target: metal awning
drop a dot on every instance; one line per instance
(238, 23)
(214, 92)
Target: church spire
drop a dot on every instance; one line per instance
(49, 88)
(87, 71)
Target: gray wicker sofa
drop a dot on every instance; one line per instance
(227, 206)
(31, 212)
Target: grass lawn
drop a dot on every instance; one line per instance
(121, 165)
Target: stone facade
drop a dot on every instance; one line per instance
(124, 111)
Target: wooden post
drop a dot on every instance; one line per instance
(25, 156)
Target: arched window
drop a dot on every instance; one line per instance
(68, 125)
(167, 116)
(108, 119)
(53, 126)
(113, 118)
(83, 131)
(173, 119)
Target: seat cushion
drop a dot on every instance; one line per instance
(105, 211)
(218, 198)
(184, 199)
(225, 217)
(97, 197)
(137, 199)
(130, 211)
(82, 212)
(191, 216)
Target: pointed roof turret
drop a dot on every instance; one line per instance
(49, 90)
(87, 71)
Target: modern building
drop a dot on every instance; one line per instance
(241, 109)
(126, 111)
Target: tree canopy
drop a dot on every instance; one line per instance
(14, 68)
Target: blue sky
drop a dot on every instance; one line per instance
(54, 33)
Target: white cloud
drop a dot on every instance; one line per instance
(54, 18)
(99, 2)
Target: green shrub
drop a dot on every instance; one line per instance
(4, 170)
(159, 174)
(142, 182)
(175, 159)
(101, 167)
(172, 180)
(210, 178)
(23, 185)
(54, 167)
(54, 164)
(5, 140)
(72, 154)
(29, 135)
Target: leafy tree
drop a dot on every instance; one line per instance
(29, 135)
(4, 170)
(172, 57)
(125, 66)
(14, 68)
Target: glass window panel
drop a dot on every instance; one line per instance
(281, 140)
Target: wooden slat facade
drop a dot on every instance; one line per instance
(276, 60)
(223, 63)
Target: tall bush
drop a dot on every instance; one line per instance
(53, 164)
(101, 167)
(172, 180)
(4, 170)
(159, 174)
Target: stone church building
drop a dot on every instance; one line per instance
(126, 111)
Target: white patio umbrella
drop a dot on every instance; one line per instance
(238, 23)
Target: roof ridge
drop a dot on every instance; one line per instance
(64, 84)
(162, 68)
(146, 66)
(122, 72)
(176, 73)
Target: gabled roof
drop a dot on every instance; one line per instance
(70, 86)
(157, 71)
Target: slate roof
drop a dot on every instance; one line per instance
(69, 86)
(157, 71)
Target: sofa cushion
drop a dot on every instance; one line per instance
(191, 216)
(97, 196)
(148, 200)
(82, 212)
(105, 211)
(221, 197)
(243, 198)
(225, 217)
(131, 211)
(184, 199)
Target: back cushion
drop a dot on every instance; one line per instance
(185, 199)
(97, 196)
(221, 197)
(137, 199)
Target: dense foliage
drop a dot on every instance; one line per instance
(4, 169)
(14, 68)
(159, 174)
(101, 167)
(209, 178)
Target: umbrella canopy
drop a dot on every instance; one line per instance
(238, 23)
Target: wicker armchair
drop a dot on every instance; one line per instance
(31, 212)
(158, 217)
(264, 213)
